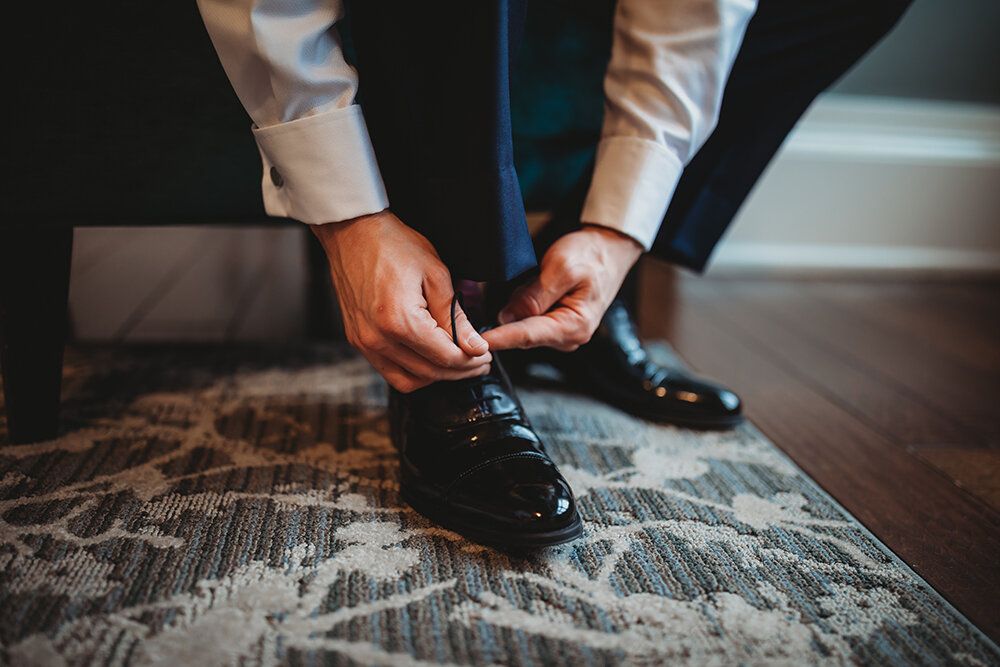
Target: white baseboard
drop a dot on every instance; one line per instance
(764, 257)
(876, 184)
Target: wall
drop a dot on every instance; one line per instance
(897, 166)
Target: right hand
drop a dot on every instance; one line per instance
(395, 295)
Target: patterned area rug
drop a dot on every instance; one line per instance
(239, 506)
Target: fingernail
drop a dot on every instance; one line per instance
(475, 340)
(505, 317)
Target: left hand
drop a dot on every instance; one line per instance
(561, 308)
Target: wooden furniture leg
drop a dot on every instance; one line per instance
(34, 290)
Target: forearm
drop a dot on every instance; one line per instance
(663, 92)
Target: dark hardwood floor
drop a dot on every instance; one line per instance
(883, 391)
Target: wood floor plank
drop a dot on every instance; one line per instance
(966, 395)
(944, 534)
(937, 323)
(960, 386)
(975, 470)
(975, 305)
(883, 402)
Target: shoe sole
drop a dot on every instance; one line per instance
(715, 423)
(442, 515)
(702, 424)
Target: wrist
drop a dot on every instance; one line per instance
(623, 244)
(330, 231)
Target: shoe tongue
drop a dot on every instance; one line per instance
(618, 332)
(463, 402)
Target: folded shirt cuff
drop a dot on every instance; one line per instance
(634, 180)
(320, 168)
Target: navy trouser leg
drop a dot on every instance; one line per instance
(435, 94)
(791, 52)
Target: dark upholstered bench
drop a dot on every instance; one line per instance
(121, 115)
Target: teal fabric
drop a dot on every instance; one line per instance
(557, 97)
(556, 94)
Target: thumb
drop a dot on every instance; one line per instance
(465, 334)
(529, 300)
(443, 305)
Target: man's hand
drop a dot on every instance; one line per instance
(395, 295)
(580, 275)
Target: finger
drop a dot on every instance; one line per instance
(418, 366)
(418, 331)
(469, 340)
(538, 296)
(433, 343)
(560, 329)
(398, 377)
(434, 339)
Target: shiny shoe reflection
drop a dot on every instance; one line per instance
(471, 462)
(615, 368)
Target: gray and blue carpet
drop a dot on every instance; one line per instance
(240, 506)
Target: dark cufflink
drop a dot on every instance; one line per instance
(276, 177)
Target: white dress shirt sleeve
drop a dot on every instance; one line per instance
(285, 62)
(663, 90)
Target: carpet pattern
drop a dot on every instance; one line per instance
(240, 506)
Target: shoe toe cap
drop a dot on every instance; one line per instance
(729, 402)
(526, 492)
(697, 396)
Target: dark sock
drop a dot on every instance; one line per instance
(471, 299)
(497, 295)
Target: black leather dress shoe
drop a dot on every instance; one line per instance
(471, 462)
(614, 367)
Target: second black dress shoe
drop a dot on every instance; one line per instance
(471, 462)
(614, 367)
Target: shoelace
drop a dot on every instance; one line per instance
(457, 298)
